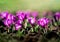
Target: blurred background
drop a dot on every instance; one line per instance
(39, 5)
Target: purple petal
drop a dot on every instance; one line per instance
(27, 14)
(20, 15)
(17, 26)
(31, 20)
(19, 21)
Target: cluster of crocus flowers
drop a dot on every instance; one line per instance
(20, 17)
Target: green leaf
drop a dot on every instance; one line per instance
(20, 33)
(55, 24)
(58, 23)
(28, 25)
(36, 28)
(32, 30)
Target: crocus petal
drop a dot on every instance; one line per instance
(31, 20)
(19, 21)
(17, 26)
(21, 15)
(27, 14)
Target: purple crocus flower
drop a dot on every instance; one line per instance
(11, 18)
(43, 21)
(7, 22)
(34, 13)
(57, 15)
(20, 15)
(4, 14)
(18, 26)
(31, 20)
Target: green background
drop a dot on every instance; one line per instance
(40, 5)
